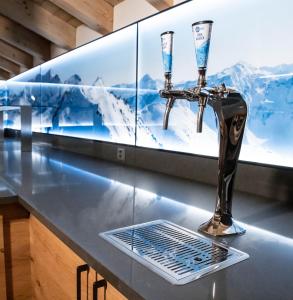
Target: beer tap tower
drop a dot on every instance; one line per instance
(231, 112)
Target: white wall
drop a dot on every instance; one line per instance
(178, 1)
(125, 13)
(85, 35)
(129, 11)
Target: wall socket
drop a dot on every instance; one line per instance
(121, 154)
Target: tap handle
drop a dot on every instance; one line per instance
(202, 35)
(167, 51)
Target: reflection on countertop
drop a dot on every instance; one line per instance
(79, 197)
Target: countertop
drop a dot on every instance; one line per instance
(7, 195)
(78, 197)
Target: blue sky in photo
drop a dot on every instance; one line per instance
(111, 58)
(256, 32)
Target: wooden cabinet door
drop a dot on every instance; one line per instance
(110, 293)
(2, 262)
(53, 266)
(16, 267)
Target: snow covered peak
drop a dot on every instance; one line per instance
(49, 78)
(279, 69)
(74, 79)
(146, 82)
(241, 68)
(99, 82)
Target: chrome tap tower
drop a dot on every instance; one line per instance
(231, 112)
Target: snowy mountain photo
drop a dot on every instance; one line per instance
(108, 113)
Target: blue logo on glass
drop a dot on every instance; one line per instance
(202, 55)
(167, 61)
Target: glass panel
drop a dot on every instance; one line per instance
(3, 92)
(25, 88)
(90, 92)
(249, 55)
(12, 119)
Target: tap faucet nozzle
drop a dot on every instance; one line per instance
(169, 106)
(199, 118)
(202, 100)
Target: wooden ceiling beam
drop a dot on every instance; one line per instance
(9, 66)
(98, 14)
(114, 2)
(36, 18)
(16, 55)
(4, 75)
(24, 39)
(161, 4)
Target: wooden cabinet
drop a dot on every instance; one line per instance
(111, 292)
(53, 265)
(54, 269)
(35, 264)
(15, 276)
(2, 262)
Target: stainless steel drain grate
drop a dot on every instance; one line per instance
(175, 253)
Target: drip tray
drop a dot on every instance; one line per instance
(175, 253)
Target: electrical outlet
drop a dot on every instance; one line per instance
(121, 154)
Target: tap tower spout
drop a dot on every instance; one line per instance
(231, 112)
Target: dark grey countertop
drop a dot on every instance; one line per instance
(78, 197)
(7, 195)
